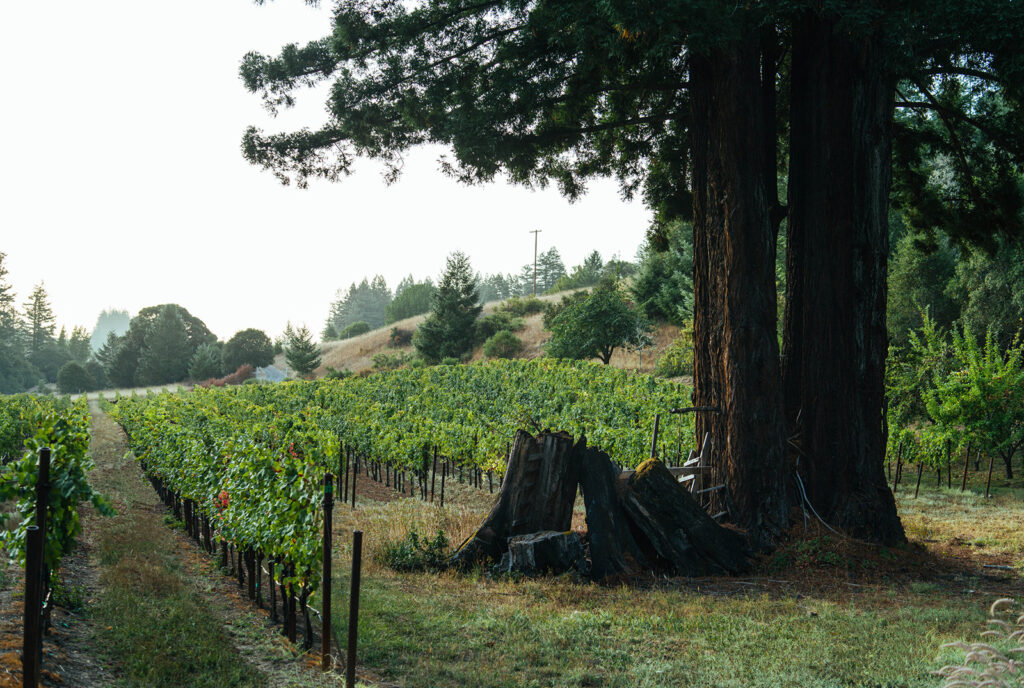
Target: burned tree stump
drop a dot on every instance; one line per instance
(613, 550)
(676, 525)
(537, 494)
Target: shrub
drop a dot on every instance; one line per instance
(522, 305)
(490, 325)
(385, 361)
(74, 378)
(678, 359)
(243, 373)
(355, 329)
(335, 374)
(414, 554)
(399, 337)
(503, 344)
(449, 360)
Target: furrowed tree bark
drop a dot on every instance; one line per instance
(736, 361)
(834, 336)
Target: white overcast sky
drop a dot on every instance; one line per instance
(123, 186)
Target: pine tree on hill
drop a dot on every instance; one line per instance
(40, 322)
(301, 352)
(448, 331)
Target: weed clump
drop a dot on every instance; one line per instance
(414, 553)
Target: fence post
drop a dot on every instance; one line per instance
(433, 477)
(654, 440)
(355, 472)
(988, 483)
(967, 461)
(32, 636)
(353, 609)
(325, 612)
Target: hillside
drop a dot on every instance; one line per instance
(357, 353)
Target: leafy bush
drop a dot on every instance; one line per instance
(490, 325)
(521, 306)
(250, 346)
(386, 361)
(414, 554)
(678, 359)
(503, 344)
(399, 337)
(74, 378)
(449, 361)
(355, 329)
(335, 374)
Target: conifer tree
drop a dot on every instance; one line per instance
(301, 352)
(448, 331)
(40, 322)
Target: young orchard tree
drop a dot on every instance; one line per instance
(449, 332)
(301, 352)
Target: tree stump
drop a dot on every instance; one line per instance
(679, 529)
(613, 550)
(544, 552)
(537, 494)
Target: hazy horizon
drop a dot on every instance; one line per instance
(128, 189)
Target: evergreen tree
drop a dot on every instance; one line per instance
(497, 287)
(365, 302)
(40, 322)
(109, 320)
(663, 286)
(413, 299)
(919, 277)
(79, 344)
(16, 373)
(991, 291)
(301, 352)
(167, 351)
(550, 269)
(448, 331)
(206, 363)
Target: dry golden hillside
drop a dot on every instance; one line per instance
(357, 353)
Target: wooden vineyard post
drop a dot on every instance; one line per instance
(490, 481)
(654, 440)
(355, 471)
(899, 467)
(259, 579)
(290, 620)
(433, 477)
(250, 565)
(444, 473)
(325, 611)
(32, 633)
(967, 461)
(353, 609)
(920, 470)
(988, 483)
(273, 590)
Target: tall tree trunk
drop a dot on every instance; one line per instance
(835, 338)
(736, 366)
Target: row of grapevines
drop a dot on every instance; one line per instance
(27, 425)
(267, 447)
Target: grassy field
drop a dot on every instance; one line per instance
(821, 611)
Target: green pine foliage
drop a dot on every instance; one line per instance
(449, 331)
(167, 351)
(206, 363)
(413, 299)
(302, 353)
(74, 378)
(355, 329)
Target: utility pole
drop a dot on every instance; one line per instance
(535, 232)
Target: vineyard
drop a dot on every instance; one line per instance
(250, 462)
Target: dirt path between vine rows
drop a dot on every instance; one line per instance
(144, 607)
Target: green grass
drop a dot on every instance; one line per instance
(807, 625)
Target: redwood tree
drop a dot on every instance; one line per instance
(680, 101)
